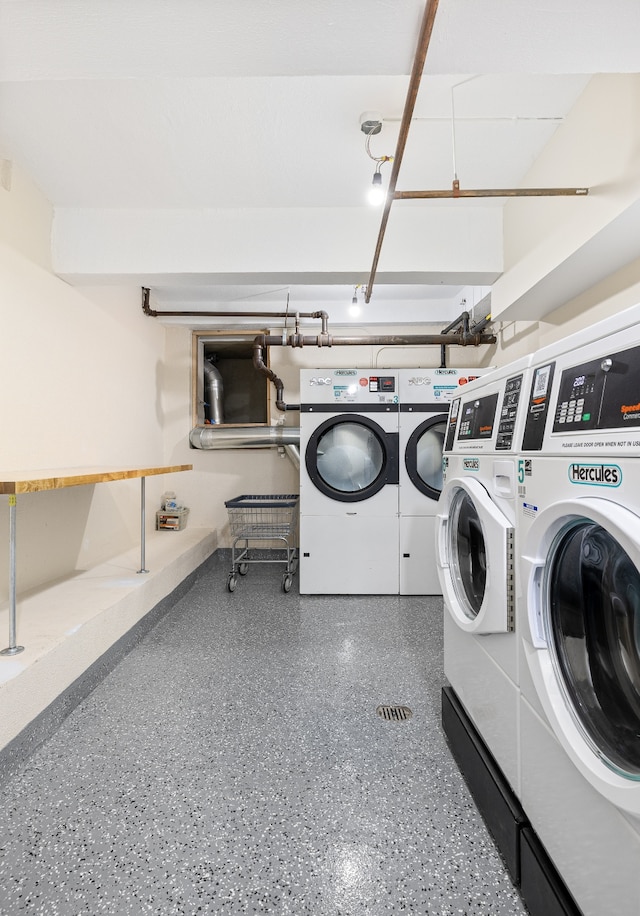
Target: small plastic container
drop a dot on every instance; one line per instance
(168, 501)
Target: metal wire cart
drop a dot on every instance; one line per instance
(263, 518)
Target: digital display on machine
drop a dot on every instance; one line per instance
(578, 403)
(507, 424)
(386, 383)
(477, 418)
(454, 410)
(538, 407)
(603, 393)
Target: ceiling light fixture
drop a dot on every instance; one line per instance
(371, 124)
(355, 307)
(376, 191)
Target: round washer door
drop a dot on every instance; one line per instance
(351, 458)
(474, 549)
(583, 570)
(423, 455)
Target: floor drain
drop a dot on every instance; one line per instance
(394, 713)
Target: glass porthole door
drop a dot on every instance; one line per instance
(351, 458)
(581, 576)
(423, 455)
(474, 549)
(468, 554)
(592, 620)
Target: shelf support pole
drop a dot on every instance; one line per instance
(12, 648)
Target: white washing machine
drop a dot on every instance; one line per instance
(425, 398)
(475, 535)
(578, 612)
(349, 482)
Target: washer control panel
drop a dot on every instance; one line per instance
(601, 394)
(477, 418)
(509, 412)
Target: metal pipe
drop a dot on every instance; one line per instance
(412, 92)
(466, 339)
(479, 326)
(211, 437)
(259, 345)
(262, 341)
(143, 534)
(491, 192)
(153, 313)
(12, 648)
(457, 322)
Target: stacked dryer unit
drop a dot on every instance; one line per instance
(578, 612)
(425, 397)
(475, 535)
(349, 482)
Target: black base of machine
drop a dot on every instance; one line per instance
(491, 792)
(542, 889)
(531, 869)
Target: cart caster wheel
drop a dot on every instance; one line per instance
(243, 568)
(287, 582)
(231, 583)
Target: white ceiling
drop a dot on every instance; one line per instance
(192, 105)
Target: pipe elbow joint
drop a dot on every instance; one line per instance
(324, 318)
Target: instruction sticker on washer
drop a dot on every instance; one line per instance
(529, 510)
(445, 392)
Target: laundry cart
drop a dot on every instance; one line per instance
(255, 520)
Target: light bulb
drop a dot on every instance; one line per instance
(376, 191)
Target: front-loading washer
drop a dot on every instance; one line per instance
(578, 612)
(349, 482)
(425, 398)
(475, 550)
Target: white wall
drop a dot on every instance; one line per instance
(26, 216)
(617, 292)
(558, 250)
(78, 387)
(598, 146)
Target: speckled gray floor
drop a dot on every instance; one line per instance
(233, 763)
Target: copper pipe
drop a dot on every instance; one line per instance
(412, 93)
(491, 192)
(414, 85)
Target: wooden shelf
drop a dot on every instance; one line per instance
(14, 482)
(36, 481)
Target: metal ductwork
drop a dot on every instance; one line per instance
(213, 394)
(293, 454)
(286, 438)
(210, 437)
